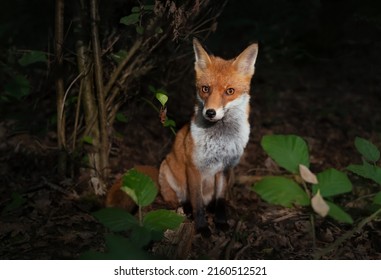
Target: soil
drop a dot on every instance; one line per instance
(328, 102)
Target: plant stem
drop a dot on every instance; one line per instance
(104, 143)
(313, 232)
(140, 216)
(59, 38)
(347, 235)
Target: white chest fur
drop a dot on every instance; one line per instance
(220, 145)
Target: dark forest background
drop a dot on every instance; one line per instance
(73, 117)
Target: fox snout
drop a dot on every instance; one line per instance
(212, 114)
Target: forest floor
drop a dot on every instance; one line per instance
(327, 102)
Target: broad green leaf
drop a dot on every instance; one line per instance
(120, 117)
(116, 219)
(130, 19)
(367, 170)
(287, 150)
(140, 187)
(139, 29)
(281, 191)
(367, 149)
(332, 182)
(319, 205)
(162, 97)
(119, 56)
(162, 219)
(32, 57)
(169, 123)
(87, 139)
(18, 88)
(135, 9)
(377, 199)
(118, 248)
(141, 236)
(339, 214)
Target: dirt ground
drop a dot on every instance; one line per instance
(327, 102)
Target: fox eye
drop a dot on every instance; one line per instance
(230, 91)
(205, 89)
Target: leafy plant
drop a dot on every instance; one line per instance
(368, 169)
(303, 187)
(142, 230)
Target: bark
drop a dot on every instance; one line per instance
(59, 82)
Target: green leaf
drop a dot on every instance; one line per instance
(140, 187)
(116, 219)
(158, 30)
(119, 56)
(377, 199)
(332, 182)
(135, 9)
(162, 219)
(87, 139)
(32, 57)
(152, 89)
(139, 29)
(149, 7)
(120, 117)
(130, 19)
(367, 171)
(141, 236)
(162, 97)
(339, 214)
(287, 150)
(169, 123)
(367, 149)
(281, 191)
(18, 87)
(118, 248)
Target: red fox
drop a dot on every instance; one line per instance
(197, 172)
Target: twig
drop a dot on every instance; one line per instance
(347, 235)
(232, 240)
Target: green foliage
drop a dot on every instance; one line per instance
(139, 187)
(291, 152)
(32, 57)
(367, 149)
(142, 230)
(281, 191)
(135, 18)
(377, 199)
(287, 150)
(162, 98)
(371, 154)
(338, 214)
(332, 182)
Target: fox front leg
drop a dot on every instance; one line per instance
(196, 199)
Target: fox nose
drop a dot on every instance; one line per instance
(210, 113)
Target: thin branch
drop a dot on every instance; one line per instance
(59, 38)
(104, 145)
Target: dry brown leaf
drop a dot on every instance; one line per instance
(307, 175)
(319, 205)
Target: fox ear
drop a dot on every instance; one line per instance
(246, 60)
(202, 57)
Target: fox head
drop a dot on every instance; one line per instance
(221, 84)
